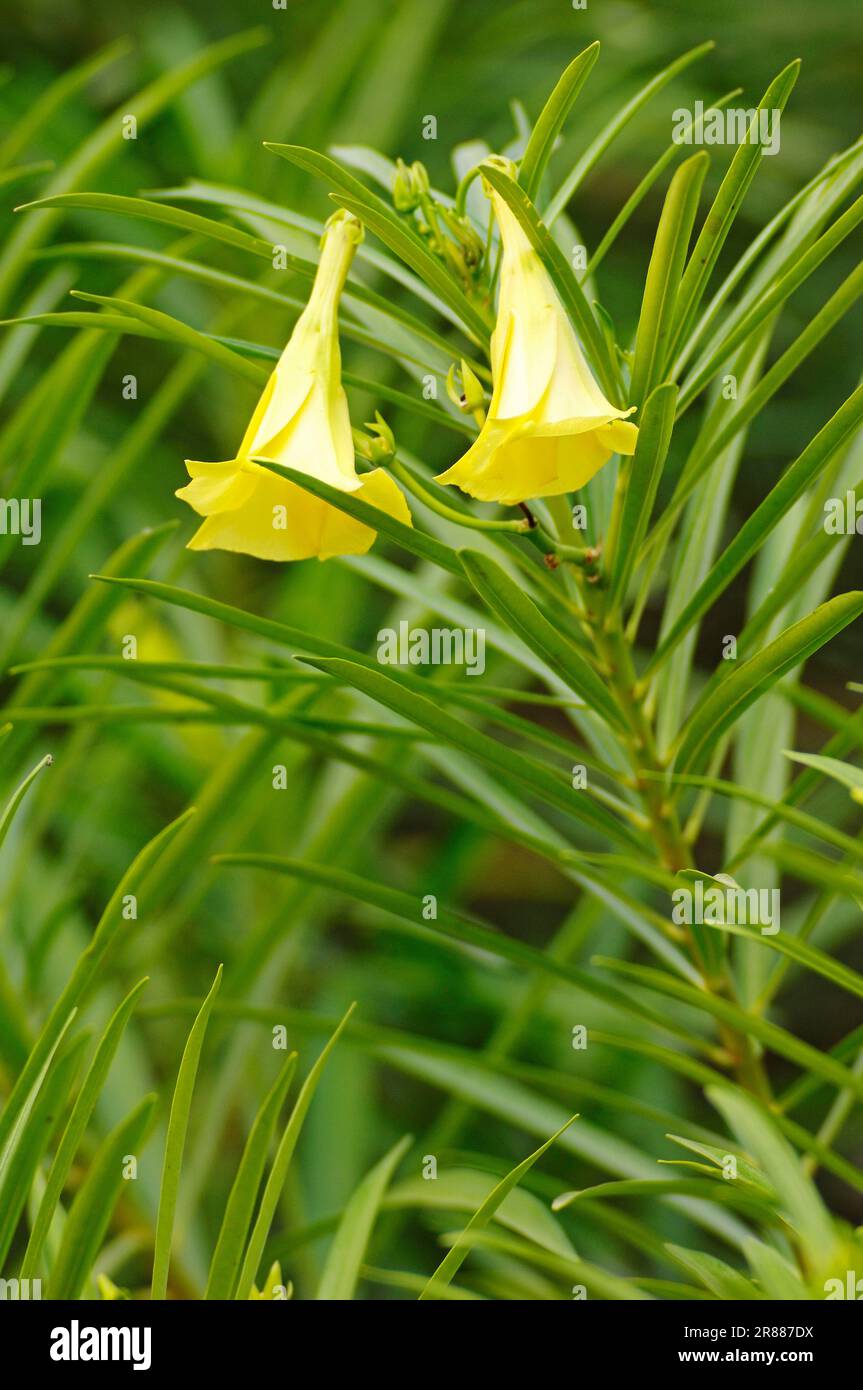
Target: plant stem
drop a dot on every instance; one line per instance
(615, 653)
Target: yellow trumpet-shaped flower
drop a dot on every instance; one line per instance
(301, 421)
(549, 428)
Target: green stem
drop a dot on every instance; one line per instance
(432, 501)
(615, 654)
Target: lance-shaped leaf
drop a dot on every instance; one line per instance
(508, 763)
(727, 701)
(803, 954)
(92, 1208)
(757, 1131)
(663, 275)
(225, 1265)
(641, 481)
(703, 458)
(85, 1102)
(723, 1281)
(281, 1164)
(776, 1276)
(346, 1253)
(416, 542)
(511, 604)
(456, 1256)
(394, 231)
(39, 112)
(845, 773)
(451, 925)
(22, 1154)
(551, 120)
(175, 1143)
(774, 295)
(18, 796)
(103, 143)
(778, 1040)
(726, 204)
(615, 125)
(724, 1194)
(86, 971)
(655, 172)
(166, 326)
(143, 209)
(767, 515)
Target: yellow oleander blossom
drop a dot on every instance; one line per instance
(301, 421)
(549, 428)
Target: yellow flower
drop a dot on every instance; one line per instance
(301, 421)
(549, 428)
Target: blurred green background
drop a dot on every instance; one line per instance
(367, 72)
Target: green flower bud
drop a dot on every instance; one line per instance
(380, 446)
(464, 388)
(405, 194)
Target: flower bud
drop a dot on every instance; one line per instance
(464, 388)
(405, 196)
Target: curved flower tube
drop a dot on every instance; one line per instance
(301, 421)
(549, 428)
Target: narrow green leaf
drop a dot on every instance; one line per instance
(281, 1164)
(708, 1189)
(508, 600)
(653, 337)
(641, 482)
(829, 874)
(618, 122)
(455, 926)
(225, 1265)
(103, 143)
(778, 1039)
(802, 215)
(175, 1143)
(739, 332)
(767, 515)
(70, 1140)
(145, 210)
(551, 119)
(416, 542)
(723, 706)
(341, 1271)
(86, 971)
(746, 1172)
(779, 809)
(48, 103)
(23, 1150)
(804, 954)
(166, 326)
(726, 204)
(845, 773)
(778, 1279)
(655, 172)
(92, 1208)
(717, 1276)
(394, 231)
(18, 796)
(702, 458)
(508, 763)
(464, 1189)
(456, 1256)
(596, 1280)
(757, 1132)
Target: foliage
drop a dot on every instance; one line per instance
(256, 789)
